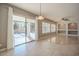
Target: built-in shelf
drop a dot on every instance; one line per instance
(61, 29)
(72, 30)
(72, 35)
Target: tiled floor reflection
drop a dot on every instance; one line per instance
(55, 45)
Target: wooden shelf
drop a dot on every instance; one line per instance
(72, 30)
(73, 35)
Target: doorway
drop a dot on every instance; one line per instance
(24, 30)
(19, 30)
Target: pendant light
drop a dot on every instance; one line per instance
(40, 17)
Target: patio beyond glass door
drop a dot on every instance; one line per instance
(19, 30)
(24, 30)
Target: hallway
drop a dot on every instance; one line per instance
(55, 45)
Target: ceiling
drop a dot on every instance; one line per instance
(53, 11)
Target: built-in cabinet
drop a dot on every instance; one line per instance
(70, 29)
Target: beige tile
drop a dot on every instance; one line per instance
(55, 45)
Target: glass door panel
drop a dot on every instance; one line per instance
(30, 30)
(19, 30)
(24, 30)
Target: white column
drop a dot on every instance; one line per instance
(57, 29)
(28, 28)
(36, 29)
(66, 29)
(10, 29)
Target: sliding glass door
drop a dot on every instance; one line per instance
(30, 30)
(19, 30)
(24, 30)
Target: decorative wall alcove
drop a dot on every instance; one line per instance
(70, 29)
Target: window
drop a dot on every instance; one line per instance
(45, 27)
(32, 27)
(53, 28)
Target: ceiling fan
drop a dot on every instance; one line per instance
(65, 19)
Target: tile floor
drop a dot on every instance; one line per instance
(56, 45)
